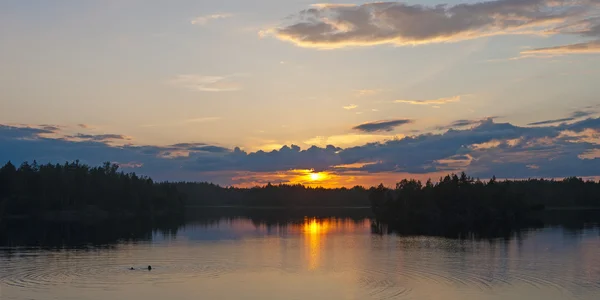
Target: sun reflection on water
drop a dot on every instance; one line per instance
(316, 230)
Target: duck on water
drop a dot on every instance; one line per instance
(149, 268)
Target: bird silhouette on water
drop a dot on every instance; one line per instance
(149, 268)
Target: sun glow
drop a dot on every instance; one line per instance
(315, 176)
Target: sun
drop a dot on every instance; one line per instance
(314, 176)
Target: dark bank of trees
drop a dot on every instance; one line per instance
(76, 190)
(282, 195)
(458, 203)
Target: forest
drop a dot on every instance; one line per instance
(75, 190)
(459, 203)
(281, 195)
(61, 190)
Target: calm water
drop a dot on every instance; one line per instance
(311, 258)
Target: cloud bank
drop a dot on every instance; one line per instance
(486, 148)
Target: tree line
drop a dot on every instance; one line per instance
(270, 195)
(34, 189)
(459, 203)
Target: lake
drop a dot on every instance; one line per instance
(242, 256)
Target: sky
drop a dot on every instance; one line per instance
(345, 93)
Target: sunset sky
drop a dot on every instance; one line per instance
(245, 92)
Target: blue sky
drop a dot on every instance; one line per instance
(114, 77)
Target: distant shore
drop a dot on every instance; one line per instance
(278, 207)
(558, 208)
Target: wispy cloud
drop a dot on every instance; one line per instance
(203, 20)
(432, 102)
(202, 120)
(330, 26)
(580, 48)
(97, 137)
(381, 126)
(351, 106)
(331, 5)
(366, 92)
(574, 116)
(464, 123)
(203, 83)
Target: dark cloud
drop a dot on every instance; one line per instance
(551, 121)
(21, 132)
(286, 158)
(463, 123)
(384, 125)
(574, 116)
(581, 114)
(50, 127)
(334, 26)
(211, 148)
(483, 150)
(188, 145)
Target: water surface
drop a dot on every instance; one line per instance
(307, 258)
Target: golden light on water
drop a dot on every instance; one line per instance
(316, 227)
(314, 230)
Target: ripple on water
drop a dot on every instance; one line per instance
(378, 285)
(383, 283)
(89, 271)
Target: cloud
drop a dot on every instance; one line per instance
(485, 149)
(22, 132)
(331, 5)
(585, 27)
(366, 92)
(202, 120)
(345, 140)
(380, 126)
(351, 106)
(574, 116)
(337, 26)
(205, 83)
(580, 48)
(84, 126)
(463, 123)
(551, 121)
(98, 137)
(52, 128)
(203, 20)
(590, 154)
(440, 101)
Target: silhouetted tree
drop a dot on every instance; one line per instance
(33, 189)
